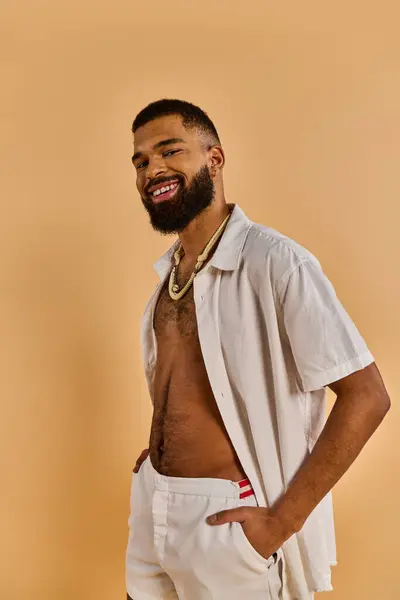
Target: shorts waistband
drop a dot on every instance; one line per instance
(200, 486)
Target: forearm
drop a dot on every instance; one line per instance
(351, 423)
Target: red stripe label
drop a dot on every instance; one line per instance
(245, 494)
(244, 482)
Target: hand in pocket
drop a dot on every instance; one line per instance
(141, 459)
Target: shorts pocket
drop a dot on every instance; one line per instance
(244, 541)
(137, 501)
(246, 545)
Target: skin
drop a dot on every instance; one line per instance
(183, 397)
(361, 401)
(184, 159)
(188, 437)
(361, 404)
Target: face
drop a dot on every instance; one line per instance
(173, 173)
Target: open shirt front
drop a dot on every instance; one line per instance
(273, 333)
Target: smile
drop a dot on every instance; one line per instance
(165, 192)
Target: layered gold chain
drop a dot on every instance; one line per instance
(174, 291)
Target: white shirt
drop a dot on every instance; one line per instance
(273, 333)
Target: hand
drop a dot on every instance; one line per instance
(141, 459)
(263, 530)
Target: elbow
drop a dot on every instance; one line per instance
(383, 406)
(387, 404)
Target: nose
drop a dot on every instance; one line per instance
(155, 168)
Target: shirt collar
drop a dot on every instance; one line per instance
(227, 255)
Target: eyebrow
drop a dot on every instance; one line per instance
(160, 145)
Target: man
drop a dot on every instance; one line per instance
(240, 339)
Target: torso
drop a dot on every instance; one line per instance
(188, 437)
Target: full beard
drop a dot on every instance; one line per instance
(173, 216)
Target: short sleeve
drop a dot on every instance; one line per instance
(325, 342)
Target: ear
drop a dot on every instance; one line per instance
(216, 160)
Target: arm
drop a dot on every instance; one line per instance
(362, 403)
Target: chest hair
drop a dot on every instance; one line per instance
(176, 316)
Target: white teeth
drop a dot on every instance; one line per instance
(164, 189)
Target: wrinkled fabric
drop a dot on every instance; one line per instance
(174, 554)
(273, 334)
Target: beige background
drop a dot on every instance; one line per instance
(306, 98)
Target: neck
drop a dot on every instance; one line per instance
(199, 232)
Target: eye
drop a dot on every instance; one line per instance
(142, 164)
(170, 152)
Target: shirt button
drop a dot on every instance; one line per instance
(202, 297)
(222, 394)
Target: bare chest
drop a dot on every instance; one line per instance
(188, 436)
(175, 318)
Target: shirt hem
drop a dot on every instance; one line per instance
(355, 364)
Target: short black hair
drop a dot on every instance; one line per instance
(192, 116)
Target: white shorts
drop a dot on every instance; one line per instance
(173, 553)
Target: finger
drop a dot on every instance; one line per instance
(144, 454)
(228, 516)
(137, 466)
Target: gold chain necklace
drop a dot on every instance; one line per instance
(173, 287)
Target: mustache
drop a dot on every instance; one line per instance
(161, 180)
